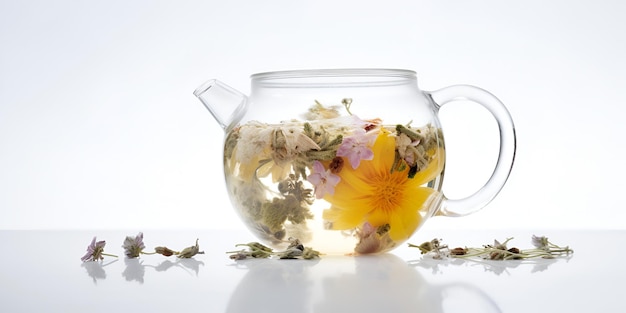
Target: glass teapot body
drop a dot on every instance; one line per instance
(343, 161)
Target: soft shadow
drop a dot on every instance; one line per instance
(382, 283)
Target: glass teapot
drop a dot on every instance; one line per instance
(346, 161)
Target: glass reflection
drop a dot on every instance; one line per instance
(381, 283)
(95, 270)
(496, 267)
(135, 269)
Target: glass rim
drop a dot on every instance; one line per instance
(339, 72)
(336, 78)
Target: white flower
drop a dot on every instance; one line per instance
(255, 139)
(133, 247)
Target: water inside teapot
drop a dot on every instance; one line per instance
(334, 181)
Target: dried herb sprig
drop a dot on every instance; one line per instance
(255, 250)
(434, 247)
(496, 251)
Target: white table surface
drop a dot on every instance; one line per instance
(41, 271)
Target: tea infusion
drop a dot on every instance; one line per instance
(334, 177)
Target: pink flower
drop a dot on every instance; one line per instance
(94, 251)
(323, 180)
(357, 147)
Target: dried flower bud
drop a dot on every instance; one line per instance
(242, 255)
(514, 250)
(189, 252)
(515, 253)
(496, 255)
(458, 251)
(165, 251)
(425, 247)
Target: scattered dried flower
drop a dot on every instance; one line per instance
(95, 251)
(255, 250)
(190, 252)
(165, 251)
(458, 251)
(290, 253)
(133, 247)
(434, 248)
(497, 251)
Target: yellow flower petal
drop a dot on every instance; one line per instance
(408, 217)
(374, 194)
(343, 219)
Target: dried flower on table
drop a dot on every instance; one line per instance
(95, 251)
(295, 250)
(165, 251)
(496, 251)
(433, 247)
(458, 251)
(133, 247)
(255, 250)
(189, 252)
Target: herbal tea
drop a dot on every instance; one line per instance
(334, 178)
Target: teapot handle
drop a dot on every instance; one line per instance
(478, 200)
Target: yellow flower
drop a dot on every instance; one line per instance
(373, 194)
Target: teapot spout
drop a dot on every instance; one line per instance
(226, 104)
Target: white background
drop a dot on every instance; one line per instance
(99, 127)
